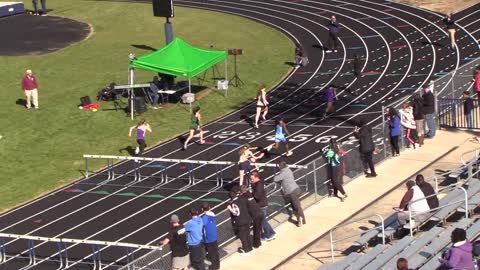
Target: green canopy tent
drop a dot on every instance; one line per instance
(178, 58)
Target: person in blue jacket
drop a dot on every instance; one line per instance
(194, 229)
(394, 126)
(210, 236)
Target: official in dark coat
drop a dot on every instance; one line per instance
(364, 135)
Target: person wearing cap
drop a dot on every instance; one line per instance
(178, 244)
(210, 236)
(29, 86)
(429, 110)
(291, 191)
(194, 229)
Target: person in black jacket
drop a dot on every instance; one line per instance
(467, 109)
(427, 190)
(364, 135)
(238, 207)
(451, 27)
(255, 213)
(419, 117)
(260, 195)
(429, 110)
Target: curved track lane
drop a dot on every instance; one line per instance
(401, 46)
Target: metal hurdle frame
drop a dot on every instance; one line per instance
(62, 244)
(219, 166)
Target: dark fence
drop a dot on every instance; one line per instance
(451, 114)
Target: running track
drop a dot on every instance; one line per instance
(402, 47)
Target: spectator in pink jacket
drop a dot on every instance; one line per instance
(29, 86)
(476, 82)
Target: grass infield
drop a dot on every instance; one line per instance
(42, 150)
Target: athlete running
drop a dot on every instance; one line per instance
(195, 125)
(141, 127)
(262, 105)
(280, 131)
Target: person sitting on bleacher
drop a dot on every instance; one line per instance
(155, 85)
(427, 190)
(459, 255)
(419, 205)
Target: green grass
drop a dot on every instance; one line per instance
(43, 150)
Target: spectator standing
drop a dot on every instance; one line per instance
(467, 109)
(44, 7)
(332, 154)
(451, 28)
(332, 35)
(419, 118)
(194, 229)
(429, 110)
(238, 207)
(178, 244)
(260, 195)
(459, 255)
(256, 215)
(394, 127)
(30, 89)
(476, 83)
(142, 128)
(427, 190)
(414, 194)
(367, 147)
(210, 236)
(408, 122)
(291, 191)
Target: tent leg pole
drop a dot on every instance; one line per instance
(190, 91)
(226, 75)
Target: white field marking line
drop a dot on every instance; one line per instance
(211, 134)
(193, 201)
(465, 8)
(208, 124)
(118, 205)
(259, 138)
(267, 178)
(467, 25)
(429, 23)
(401, 19)
(470, 14)
(209, 192)
(438, 15)
(473, 32)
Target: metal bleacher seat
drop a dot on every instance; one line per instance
(367, 258)
(343, 263)
(444, 213)
(418, 244)
(389, 253)
(473, 203)
(390, 224)
(436, 245)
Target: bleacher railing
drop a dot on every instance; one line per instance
(332, 241)
(451, 114)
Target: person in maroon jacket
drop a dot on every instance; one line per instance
(29, 86)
